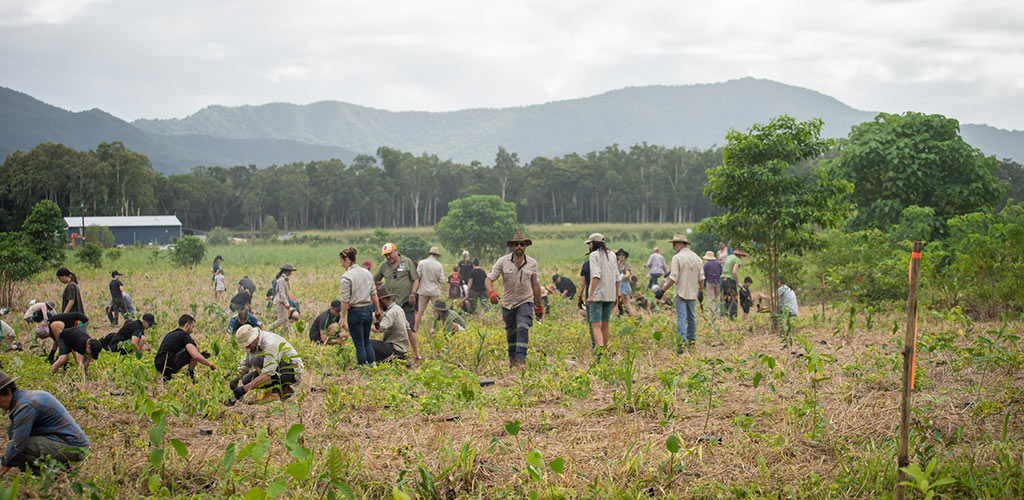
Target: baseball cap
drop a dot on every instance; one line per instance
(388, 248)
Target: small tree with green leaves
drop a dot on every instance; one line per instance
(44, 230)
(269, 227)
(218, 236)
(481, 224)
(90, 254)
(188, 251)
(100, 235)
(18, 261)
(413, 246)
(765, 205)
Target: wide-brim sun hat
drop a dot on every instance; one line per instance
(6, 380)
(440, 305)
(680, 238)
(519, 237)
(622, 252)
(287, 267)
(709, 255)
(383, 293)
(245, 335)
(595, 237)
(739, 253)
(434, 251)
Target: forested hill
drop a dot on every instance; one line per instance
(689, 115)
(686, 115)
(26, 122)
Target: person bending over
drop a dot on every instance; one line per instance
(269, 361)
(178, 350)
(132, 332)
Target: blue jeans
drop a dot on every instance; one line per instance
(686, 319)
(517, 329)
(359, 321)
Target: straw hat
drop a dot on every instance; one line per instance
(6, 380)
(595, 238)
(739, 253)
(519, 237)
(434, 251)
(709, 255)
(680, 238)
(245, 335)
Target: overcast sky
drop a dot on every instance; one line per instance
(160, 59)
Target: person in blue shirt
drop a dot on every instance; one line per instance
(40, 427)
(242, 318)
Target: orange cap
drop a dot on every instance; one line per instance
(388, 248)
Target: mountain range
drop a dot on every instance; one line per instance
(685, 115)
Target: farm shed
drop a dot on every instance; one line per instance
(129, 230)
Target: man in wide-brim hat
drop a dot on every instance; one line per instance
(40, 427)
(450, 320)
(520, 297)
(431, 280)
(394, 328)
(687, 276)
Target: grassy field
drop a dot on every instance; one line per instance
(746, 414)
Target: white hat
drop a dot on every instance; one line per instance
(245, 335)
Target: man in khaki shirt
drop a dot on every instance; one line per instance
(687, 274)
(520, 297)
(431, 278)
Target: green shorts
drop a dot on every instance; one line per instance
(600, 311)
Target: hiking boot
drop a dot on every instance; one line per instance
(286, 392)
(269, 397)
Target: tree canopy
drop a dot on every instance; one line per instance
(480, 224)
(897, 161)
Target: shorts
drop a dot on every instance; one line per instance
(601, 311)
(625, 288)
(219, 287)
(425, 301)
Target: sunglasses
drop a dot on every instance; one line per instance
(516, 244)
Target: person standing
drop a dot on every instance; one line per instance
(117, 303)
(687, 275)
(71, 299)
(582, 302)
(477, 288)
(464, 267)
(730, 279)
(359, 305)
(401, 277)
(216, 265)
(431, 278)
(282, 307)
(178, 350)
(218, 285)
(624, 285)
(40, 427)
(746, 299)
(712, 281)
(520, 297)
(656, 267)
(455, 290)
(604, 288)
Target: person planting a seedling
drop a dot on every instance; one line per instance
(40, 427)
(394, 343)
(127, 301)
(244, 317)
(43, 330)
(73, 340)
(399, 274)
(39, 311)
(178, 350)
(117, 303)
(604, 287)
(71, 299)
(431, 279)
(787, 299)
(269, 361)
(8, 337)
(564, 286)
(326, 328)
(687, 276)
(132, 332)
(449, 320)
(241, 301)
(520, 297)
(282, 306)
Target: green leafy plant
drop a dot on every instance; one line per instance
(90, 254)
(925, 481)
(188, 251)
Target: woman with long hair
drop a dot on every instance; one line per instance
(604, 288)
(281, 305)
(359, 305)
(71, 299)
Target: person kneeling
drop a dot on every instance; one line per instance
(40, 427)
(326, 328)
(270, 361)
(178, 350)
(394, 327)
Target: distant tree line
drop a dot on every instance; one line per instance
(646, 183)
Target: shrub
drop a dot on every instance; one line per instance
(412, 246)
(218, 236)
(90, 254)
(481, 224)
(188, 251)
(269, 227)
(100, 235)
(17, 262)
(44, 228)
(113, 254)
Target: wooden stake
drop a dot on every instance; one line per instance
(909, 348)
(823, 296)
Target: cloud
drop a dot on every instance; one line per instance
(27, 13)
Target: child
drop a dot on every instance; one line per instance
(455, 287)
(218, 284)
(746, 301)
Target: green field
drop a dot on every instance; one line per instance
(746, 414)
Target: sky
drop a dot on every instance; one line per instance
(159, 59)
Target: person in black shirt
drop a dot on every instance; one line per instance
(247, 284)
(477, 289)
(71, 299)
(74, 340)
(117, 303)
(566, 288)
(326, 327)
(66, 320)
(465, 268)
(132, 331)
(178, 350)
(242, 300)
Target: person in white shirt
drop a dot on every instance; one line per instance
(687, 275)
(431, 279)
(604, 289)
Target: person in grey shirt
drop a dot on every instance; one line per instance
(656, 267)
(269, 361)
(431, 279)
